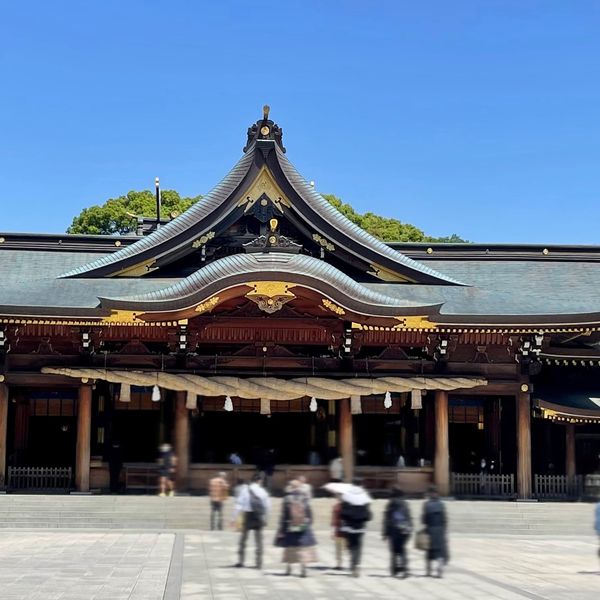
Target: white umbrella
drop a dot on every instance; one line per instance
(350, 493)
(337, 487)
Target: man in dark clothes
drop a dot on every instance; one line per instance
(115, 464)
(397, 527)
(435, 521)
(355, 512)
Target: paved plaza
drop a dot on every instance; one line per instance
(197, 565)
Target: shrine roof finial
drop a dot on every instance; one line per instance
(265, 129)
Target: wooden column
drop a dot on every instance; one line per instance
(3, 429)
(346, 439)
(182, 440)
(441, 465)
(84, 427)
(571, 468)
(524, 443)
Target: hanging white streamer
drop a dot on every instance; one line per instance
(387, 402)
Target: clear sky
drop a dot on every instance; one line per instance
(480, 118)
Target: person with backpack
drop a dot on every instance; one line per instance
(355, 513)
(253, 503)
(436, 523)
(397, 528)
(295, 533)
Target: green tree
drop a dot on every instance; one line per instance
(384, 228)
(115, 215)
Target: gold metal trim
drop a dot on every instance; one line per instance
(333, 307)
(270, 296)
(207, 305)
(264, 184)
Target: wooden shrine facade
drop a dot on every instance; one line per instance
(262, 320)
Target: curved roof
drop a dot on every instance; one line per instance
(239, 269)
(176, 237)
(342, 224)
(181, 224)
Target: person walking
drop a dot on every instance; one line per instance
(397, 528)
(336, 469)
(435, 521)
(218, 490)
(355, 513)
(339, 540)
(167, 463)
(115, 466)
(253, 503)
(295, 533)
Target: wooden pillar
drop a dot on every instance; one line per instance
(441, 465)
(84, 427)
(3, 429)
(182, 440)
(571, 468)
(346, 439)
(524, 443)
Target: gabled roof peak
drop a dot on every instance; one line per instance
(265, 129)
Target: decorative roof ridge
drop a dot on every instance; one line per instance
(356, 233)
(197, 212)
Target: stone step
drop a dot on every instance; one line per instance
(186, 512)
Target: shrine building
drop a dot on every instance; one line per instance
(263, 322)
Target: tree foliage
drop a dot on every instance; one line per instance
(384, 228)
(115, 217)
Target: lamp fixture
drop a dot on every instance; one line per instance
(182, 338)
(228, 406)
(85, 339)
(313, 404)
(347, 340)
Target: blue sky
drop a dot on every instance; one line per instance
(480, 118)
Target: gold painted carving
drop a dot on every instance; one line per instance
(270, 296)
(387, 275)
(264, 184)
(138, 270)
(414, 322)
(323, 242)
(122, 316)
(207, 305)
(203, 239)
(333, 307)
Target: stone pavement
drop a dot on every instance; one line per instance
(197, 565)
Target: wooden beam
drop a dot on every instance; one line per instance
(346, 439)
(84, 426)
(3, 430)
(571, 467)
(523, 401)
(441, 466)
(182, 440)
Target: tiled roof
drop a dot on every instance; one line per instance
(240, 268)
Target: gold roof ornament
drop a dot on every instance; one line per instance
(266, 111)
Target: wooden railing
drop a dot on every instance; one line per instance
(39, 478)
(482, 485)
(558, 486)
(141, 477)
